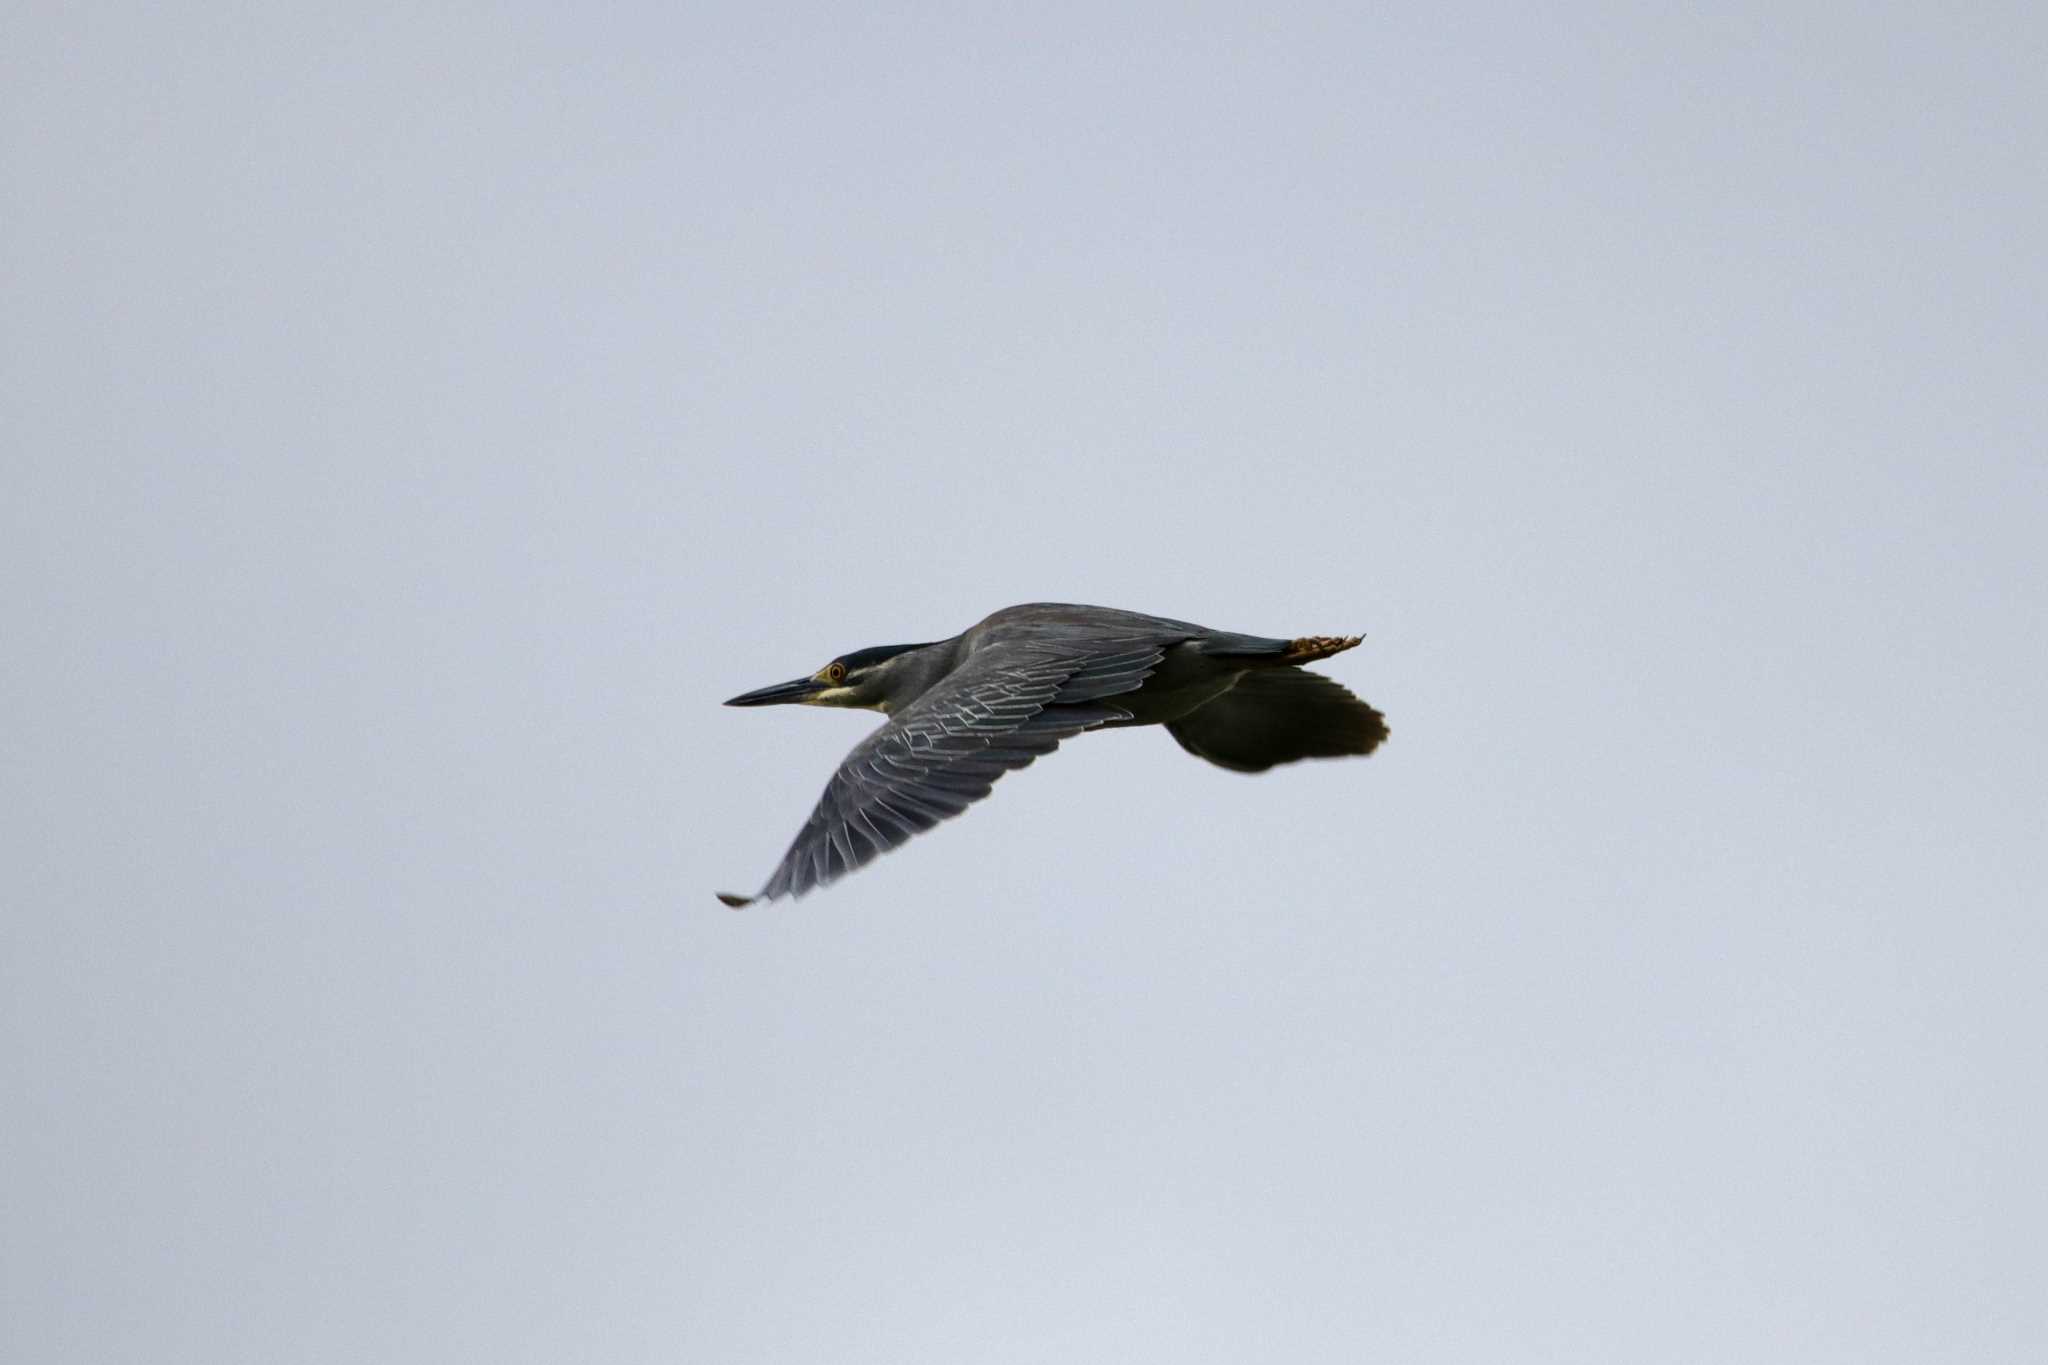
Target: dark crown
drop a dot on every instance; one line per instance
(872, 655)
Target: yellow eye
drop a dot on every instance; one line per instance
(835, 673)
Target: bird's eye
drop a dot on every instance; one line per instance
(835, 673)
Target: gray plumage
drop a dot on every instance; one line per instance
(962, 712)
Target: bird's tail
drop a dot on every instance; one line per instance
(1260, 649)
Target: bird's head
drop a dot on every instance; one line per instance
(867, 678)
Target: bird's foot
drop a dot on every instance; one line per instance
(1309, 648)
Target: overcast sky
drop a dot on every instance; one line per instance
(415, 420)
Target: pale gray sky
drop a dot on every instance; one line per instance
(416, 420)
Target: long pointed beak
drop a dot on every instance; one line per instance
(801, 689)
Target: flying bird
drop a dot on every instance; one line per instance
(964, 711)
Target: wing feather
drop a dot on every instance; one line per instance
(1006, 706)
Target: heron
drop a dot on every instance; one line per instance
(965, 710)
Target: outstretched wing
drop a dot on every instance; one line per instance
(1280, 715)
(1005, 706)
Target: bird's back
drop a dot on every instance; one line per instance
(1073, 625)
(1071, 622)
